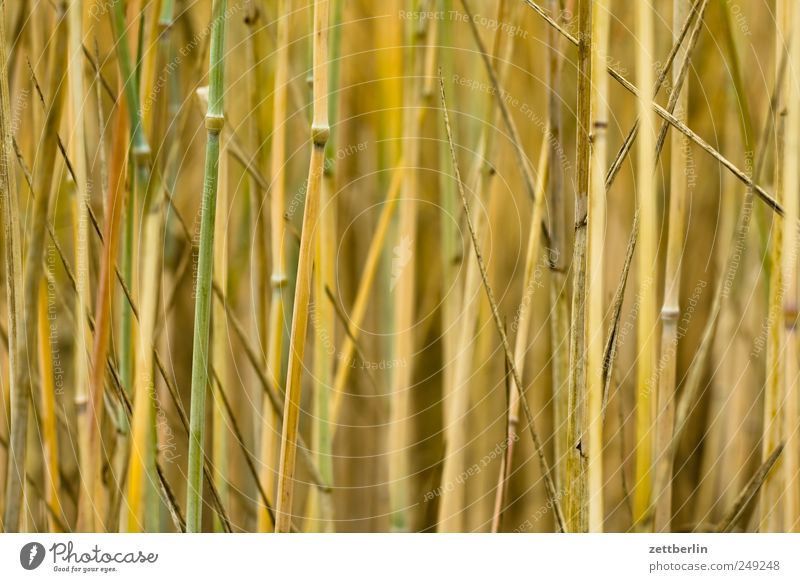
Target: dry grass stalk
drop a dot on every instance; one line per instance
(24, 374)
(270, 442)
(320, 131)
(791, 202)
(596, 250)
(545, 467)
(670, 310)
(646, 337)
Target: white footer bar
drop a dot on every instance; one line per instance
(401, 557)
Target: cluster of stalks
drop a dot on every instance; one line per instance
(332, 266)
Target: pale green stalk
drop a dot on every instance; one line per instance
(214, 122)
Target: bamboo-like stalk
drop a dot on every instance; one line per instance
(403, 280)
(450, 247)
(9, 212)
(260, 68)
(559, 299)
(670, 310)
(647, 266)
(219, 337)
(297, 339)
(320, 512)
(214, 122)
(576, 486)
(738, 173)
(83, 297)
(596, 235)
(772, 491)
(553, 498)
(23, 383)
(52, 477)
(457, 395)
(270, 442)
(142, 460)
(791, 185)
(116, 193)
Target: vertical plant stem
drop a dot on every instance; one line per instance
(115, 205)
(83, 297)
(646, 376)
(559, 300)
(403, 282)
(576, 400)
(219, 337)
(142, 462)
(791, 185)
(319, 137)
(52, 476)
(772, 492)
(9, 209)
(523, 325)
(671, 310)
(23, 384)
(214, 122)
(321, 516)
(596, 217)
(553, 498)
(270, 442)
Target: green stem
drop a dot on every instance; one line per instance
(214, 122)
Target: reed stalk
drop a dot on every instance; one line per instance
(671, 310)
(214, 122)
(9, 212)
(647, 325)
(141, 462)
(279, 280)
(404, 278)
(553, 497)
(52, 477)
(23, 383)
(559, 299)
(450, 248)
(115, 205)
(576, 486)
(791, 186)
(319, 136)
(320, 512)
(457, 395)
(220, 445)
(523, 325)
(596, 247)
(141, 476)
(83, 297)
(772, 518)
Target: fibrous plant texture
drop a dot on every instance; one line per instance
(412, 266)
